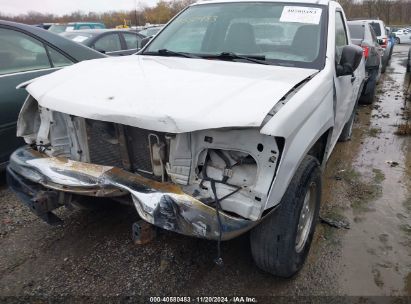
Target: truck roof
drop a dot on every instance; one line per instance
(320, 2)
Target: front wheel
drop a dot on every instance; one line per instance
(280, 244)
(397, 40)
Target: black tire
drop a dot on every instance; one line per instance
(368, 95)
(273, 242)
(384, 66)
(408, 61)
(346, 133)
(397, 40)
(367, 99)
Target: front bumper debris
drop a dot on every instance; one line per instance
(164, 205)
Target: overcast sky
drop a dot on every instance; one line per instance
(60, 7)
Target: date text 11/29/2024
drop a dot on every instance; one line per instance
(234, 299)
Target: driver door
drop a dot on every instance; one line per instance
(343, 85)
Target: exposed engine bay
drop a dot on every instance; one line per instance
(239, 163)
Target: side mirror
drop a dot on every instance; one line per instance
(350, 60)
(101, 51)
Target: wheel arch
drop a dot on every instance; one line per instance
(313, 138)
(319, 148)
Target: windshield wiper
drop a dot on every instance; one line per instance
(260, 59)
(166, 52)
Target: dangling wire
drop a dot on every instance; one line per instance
(218, 260)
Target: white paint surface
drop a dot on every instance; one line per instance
(167, 94)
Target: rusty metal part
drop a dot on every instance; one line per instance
(39, 201)
(143, 232)
(162, 204)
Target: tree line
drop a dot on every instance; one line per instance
(162, 12)
(392, 12)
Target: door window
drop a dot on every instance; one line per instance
(376, 27)
(341, 39)
(373, 36)
(108, 43)
(58, 60)
(132, 41)
(84, 27)
(20, 53)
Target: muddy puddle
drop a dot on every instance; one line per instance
(369, 185)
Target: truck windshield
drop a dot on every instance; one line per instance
(280, 33)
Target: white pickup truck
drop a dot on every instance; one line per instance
(222, 124)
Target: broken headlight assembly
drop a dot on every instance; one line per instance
(240, 162)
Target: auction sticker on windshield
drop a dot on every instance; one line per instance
(80, 38)
(301, 14)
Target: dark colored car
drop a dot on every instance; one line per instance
(362, 34)
(44, 26)
(109, 42)
(385, 39)
(27, 52)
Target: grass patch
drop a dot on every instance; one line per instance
(407, 204)
(408, 283)
(361, 192)
(349, 175)
(406, 228)
(379, 176)
(403, 129)
(335, 214)
(373, 132)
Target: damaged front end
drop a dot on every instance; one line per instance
(211, 184)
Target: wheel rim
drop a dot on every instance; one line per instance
(306, 218)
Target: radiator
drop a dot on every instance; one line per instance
(105, 148)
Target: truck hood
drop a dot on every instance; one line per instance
(167, 94)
